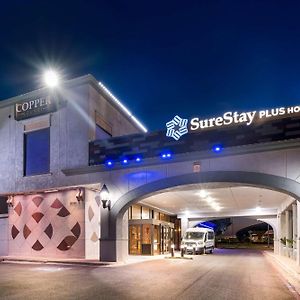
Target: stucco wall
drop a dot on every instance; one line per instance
(3, 235)
(92, 224)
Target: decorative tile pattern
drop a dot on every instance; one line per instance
(14, 231)
(76, 230)
(49, 231)
(26, 231)
(90, 213)
(57, 204)
(63, 212)
(18, 209)
(37, 246)
(67, 243)
(37, 216)
(50, 226)
(94, 237)
(37, 201)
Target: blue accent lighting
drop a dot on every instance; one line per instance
(166, 155)
(125, 161)
(109, 163)
(138, 159)
(217, 148)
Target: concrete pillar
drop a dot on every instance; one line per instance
(289, 233)
(184, 225)
(298, 234)
(288, 225)
(294, 224)
(277, 243)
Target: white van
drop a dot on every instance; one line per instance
(198, 240)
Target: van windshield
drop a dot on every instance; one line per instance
(194, 235)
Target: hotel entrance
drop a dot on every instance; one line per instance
(150, 239)
(151, 236)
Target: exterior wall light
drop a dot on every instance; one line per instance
(138, 159)
(79, 195)
(104, 194)
(10, 201)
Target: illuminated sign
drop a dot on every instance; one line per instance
(177, 127)
(35, 107)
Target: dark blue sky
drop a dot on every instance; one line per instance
(161, 58)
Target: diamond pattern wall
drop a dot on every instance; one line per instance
(48, 225)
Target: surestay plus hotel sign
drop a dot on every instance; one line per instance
(228, 118)
(247, 118)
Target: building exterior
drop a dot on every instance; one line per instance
(46, 131)
(61, 147)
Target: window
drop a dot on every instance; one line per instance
(103, 129)
(37, 152)
(101, 134)
(136, 212)
(210, 235)
(194, 235)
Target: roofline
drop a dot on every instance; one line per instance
(85, 79)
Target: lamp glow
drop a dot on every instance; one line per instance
(51, 78)
(258, 209)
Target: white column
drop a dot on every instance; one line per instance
(289, 232)
(298, 234)
(288, 226)
(184, 225)
(277, 242)
(294, 225)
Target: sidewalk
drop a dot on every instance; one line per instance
(131, 259)
(288, 270)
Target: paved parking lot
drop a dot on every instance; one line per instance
(227, 274)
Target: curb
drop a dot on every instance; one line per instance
(57, 262)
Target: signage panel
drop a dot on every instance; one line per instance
(34, 107)
(178, 126)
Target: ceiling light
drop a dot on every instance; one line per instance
(203, 194)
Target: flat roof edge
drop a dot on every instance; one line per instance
(85, 79)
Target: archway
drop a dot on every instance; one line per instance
(111, 245)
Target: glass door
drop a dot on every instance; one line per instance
(135, 239)
(156, 239)
(146, 239)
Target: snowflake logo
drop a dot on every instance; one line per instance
(177, 127)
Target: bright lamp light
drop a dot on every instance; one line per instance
(51, 78)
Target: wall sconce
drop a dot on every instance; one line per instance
(10, 201)
(79, 195)
(104, 194)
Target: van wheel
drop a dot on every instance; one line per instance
(211, 250)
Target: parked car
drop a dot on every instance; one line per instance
(198, 240)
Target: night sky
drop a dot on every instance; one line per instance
(160, 58)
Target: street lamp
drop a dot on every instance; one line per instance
(104, 194)
(51, 78)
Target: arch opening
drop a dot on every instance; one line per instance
(208, 180)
